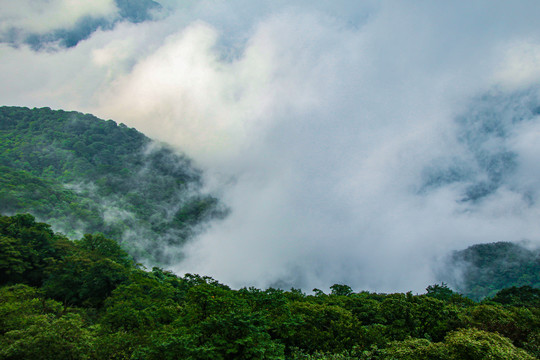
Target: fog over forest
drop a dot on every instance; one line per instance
(353, 142)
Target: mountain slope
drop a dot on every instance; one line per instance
(83, 174)
(482, 270)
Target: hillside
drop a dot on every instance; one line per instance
(85, 299)
(83, 174)
(482, 270)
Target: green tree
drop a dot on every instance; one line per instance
(473, 344)
(321, 327)
(20, 304)
(84, 281)
(12, 261)
(142, 305)
(518, 296)
(441, 292)
(514, 323)
(28, 248)
(48, 338)
(341, 290)
(99, 245)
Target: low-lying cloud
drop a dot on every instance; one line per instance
(342, 137)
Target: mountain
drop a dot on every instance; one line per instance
(83, 174)
(482, 270)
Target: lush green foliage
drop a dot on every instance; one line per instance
(83, 174)
(86, 299)
(485, 269)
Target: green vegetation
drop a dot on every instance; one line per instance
(86, 299)
(486, 269)
(89, 299)
(82, 174)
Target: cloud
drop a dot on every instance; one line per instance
(53, 25)
(341, 136)
(40, 17)
(520, 64)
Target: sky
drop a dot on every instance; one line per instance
(355, 142)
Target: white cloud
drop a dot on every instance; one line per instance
(182, 85)
(520, 64)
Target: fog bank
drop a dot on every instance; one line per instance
(354, 144)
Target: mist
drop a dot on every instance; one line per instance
(353, 143)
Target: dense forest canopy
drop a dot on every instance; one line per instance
(86, 299)
(83, 174)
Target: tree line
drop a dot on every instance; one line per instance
(88, 299)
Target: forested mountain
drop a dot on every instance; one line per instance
(86, 175)
(88, 299)
(482, 270)
(85, 299)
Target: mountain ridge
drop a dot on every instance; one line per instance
(107, 177)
